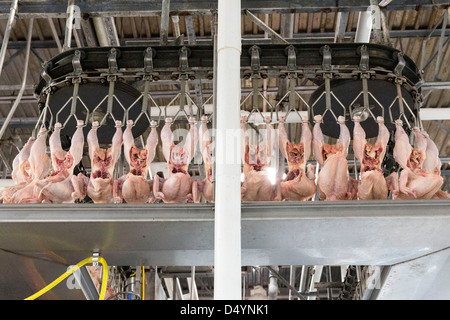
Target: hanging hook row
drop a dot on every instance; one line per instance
(255, 74)
(327, 73)
(292, 73)
(148, 75)
(184, 75)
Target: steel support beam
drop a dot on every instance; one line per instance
(319, 233)
(57, 8)
(247, 39)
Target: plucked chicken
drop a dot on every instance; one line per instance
(103, 161)
(177, 187)
(333, 181)
(415, 181)
(40, 167)
(62, 186)
(373, 185)
(204, 187)
(299, 184)
(21, 173)
(134, 187)
(432, 164)
(256, 159)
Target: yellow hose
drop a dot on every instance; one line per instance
(72, 270)
(143, 283)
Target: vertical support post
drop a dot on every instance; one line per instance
(227, 223)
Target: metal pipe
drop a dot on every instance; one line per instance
(24, 80)
(227, 222)
(164, 33)
(364, 28)
(69, 26)
(9, 25)
(100, 30)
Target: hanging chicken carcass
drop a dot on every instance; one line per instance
(333, 181)
(134, 187)
(103, 161)
(62, 186)
(257, 185)
(373, 185)
(299, 184)
(40, 168)
(21, 172)
(417, 181)
(177, 187)
(204, 187)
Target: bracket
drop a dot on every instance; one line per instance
(327, 73)
(148, 76)
(112, 62)
(292, 73)
(255, 75)
(44, 73)
(77, 70)
(183, 75)
(398, 70)
(364, 73)
(95, 256)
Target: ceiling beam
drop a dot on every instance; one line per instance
(123, 8)
(247, 39)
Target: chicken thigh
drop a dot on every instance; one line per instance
(373, 185)
(204, 187)
(256, 159)
(333, 180)
(299, 184)
(177, 187)
(103, 161)
(414, 182)
(134, 186)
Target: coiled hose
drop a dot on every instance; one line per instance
(72, 270)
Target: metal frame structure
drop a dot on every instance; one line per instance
(148, 8)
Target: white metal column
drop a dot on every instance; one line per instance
(227, 225)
